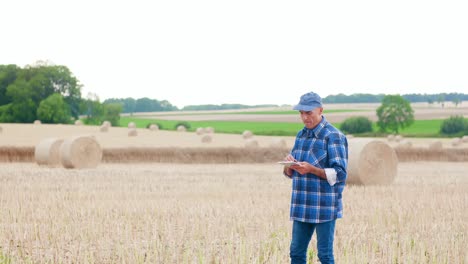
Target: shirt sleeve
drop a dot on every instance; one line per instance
(331, 176)
(338, 157)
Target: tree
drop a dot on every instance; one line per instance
(456, 101)
(112, 113)
(394, 113)
(54, 110)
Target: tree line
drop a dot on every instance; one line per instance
(413, 98)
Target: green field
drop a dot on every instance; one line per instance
(278, 112)
(420, 128)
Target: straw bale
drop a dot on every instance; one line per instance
(132, 132)
(465, 139)
(131, 125)
(251, 143)
(405, 144)
(436, 145)
(398, 138)
(80, 152)
(47, 152)
(153, 127)
(200, 130)
(210, 130)
(37, 122)
(371, 162)
(107, 124)
(104, 128)
(349, 136)
(278, 143)
(78, 123)
(1, 129)
(391, 137)
(247, 134)
(206, 138)
(181, 128)
(456, 141)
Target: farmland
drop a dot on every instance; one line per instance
(188, 211)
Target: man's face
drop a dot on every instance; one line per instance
(311, 118)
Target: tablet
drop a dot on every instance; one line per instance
(288, 163)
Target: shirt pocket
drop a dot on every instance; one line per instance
(318, 153)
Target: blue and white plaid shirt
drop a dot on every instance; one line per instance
(313, 199)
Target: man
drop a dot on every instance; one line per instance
(318, 180)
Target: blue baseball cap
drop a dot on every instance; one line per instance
(308, 102)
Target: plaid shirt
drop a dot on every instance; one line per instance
(313, 199)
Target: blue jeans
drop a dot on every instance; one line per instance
(301, 235)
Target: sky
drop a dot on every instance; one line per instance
(244, 51)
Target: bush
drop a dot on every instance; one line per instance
(454, 125)
(182, 123)
(356, 125)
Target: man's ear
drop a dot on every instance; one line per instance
(320, 110)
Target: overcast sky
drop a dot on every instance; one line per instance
(243, 51)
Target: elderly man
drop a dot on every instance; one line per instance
(318, 180)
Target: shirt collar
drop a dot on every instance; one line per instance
(314, 132)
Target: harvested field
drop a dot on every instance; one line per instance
(234, 213)
(18, 140)
(422, 111)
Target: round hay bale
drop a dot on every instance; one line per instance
(181, 128)
(78, 123)
(131, 125)
(436, 145)
(80, 152)
(37, 122)
(107, 124)
(104, 128)
(153, 127)
(251, 143)
(405, 144)
(391, 137)
(209, 130)
(200, 130)
(206, 138)
(456, 142)
(247, 134)
(371, 162)
(349, 136)
(465, 139)
(398, 138)
(278, 143)
(47, 152)
(132, 132)
(1, 129)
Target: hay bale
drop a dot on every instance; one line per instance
(181, 128)
(209, 130)
(278, 143)
(80, 152)
(456, 142)
(37, 122)
(107, 124)
(436, 145)
(398, 138)
(251, 143)
(200, 131)
(391, 138)
(131, 125)
(47, 152)
(247, 134)
(206, 138)
(1, 129)
(153, 127)
(104, 128)
(371, 162)
(465, 139)
(132, 132)
(78, 123)
(405, 144)
(349, 136)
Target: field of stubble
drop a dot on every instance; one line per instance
(176, 213)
